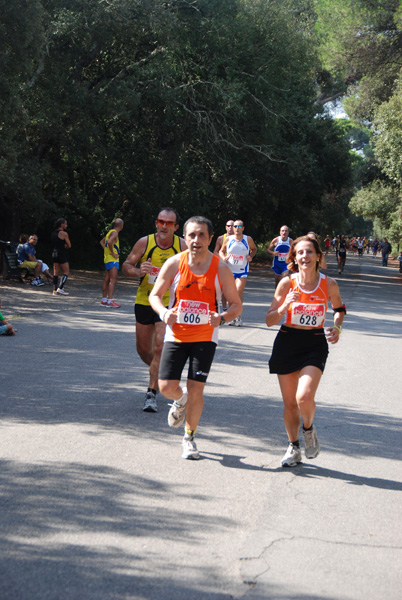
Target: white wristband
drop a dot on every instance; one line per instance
(162, 314)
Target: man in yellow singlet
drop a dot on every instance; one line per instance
(219, 242)
(111, 253)
(151, 252)
(222, 238)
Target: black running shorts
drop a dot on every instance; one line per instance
(145, 315)
(59, 257)
(175, 355)
(295, 349)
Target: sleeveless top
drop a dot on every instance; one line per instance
(193, 296)
(310, 309)
(342, 247)
(158, 258)
(238, 252)
(58, 245)
(107, 255)
(283, 248)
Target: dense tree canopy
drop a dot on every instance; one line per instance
(361, 49)
(119, 107)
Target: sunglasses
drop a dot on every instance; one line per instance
(229, 225)
(237, 226)
(165, 223)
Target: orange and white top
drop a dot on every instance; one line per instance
(192, 297)
(310, 309)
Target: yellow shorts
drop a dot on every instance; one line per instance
(28, 264)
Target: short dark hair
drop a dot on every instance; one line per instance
(170, 209)
(59, 222)
(200, 221)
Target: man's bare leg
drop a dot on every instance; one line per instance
(149, 340)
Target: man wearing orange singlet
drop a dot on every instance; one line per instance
(196, 279)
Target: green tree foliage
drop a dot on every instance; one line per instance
(206, 105)
(381, 203)
(361, 46)
(21, 43)
(382, 200)
(388, 137)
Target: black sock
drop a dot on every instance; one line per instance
(63, 281)
(308, 428)
(55, 282)
(296, 443)
(152, 390)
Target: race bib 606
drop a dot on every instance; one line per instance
(192, 312)
(308, 315)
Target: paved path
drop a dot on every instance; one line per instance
(97, 504)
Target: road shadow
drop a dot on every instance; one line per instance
(94, 509)
(313, 471)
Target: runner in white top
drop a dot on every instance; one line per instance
(238, 251)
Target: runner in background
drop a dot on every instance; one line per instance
(218, 246)
(279, 248)
(111, 256)
(150, 253)
(238, 251)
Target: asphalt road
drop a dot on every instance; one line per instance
(96, 502)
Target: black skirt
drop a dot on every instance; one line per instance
(295, 349)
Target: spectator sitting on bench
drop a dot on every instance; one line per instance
(22, 240)
(5, 328)
(27, 260)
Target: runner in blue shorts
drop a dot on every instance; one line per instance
(279, 248)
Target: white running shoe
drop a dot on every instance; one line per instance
(292, 456)
(150, 403)
(37, 281)
(190, 450)
(177, 412)
(62, 292)
(311, 445)
(238, 322)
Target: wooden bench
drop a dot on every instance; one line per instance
(10, 267)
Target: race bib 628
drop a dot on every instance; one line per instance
(308, 315)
